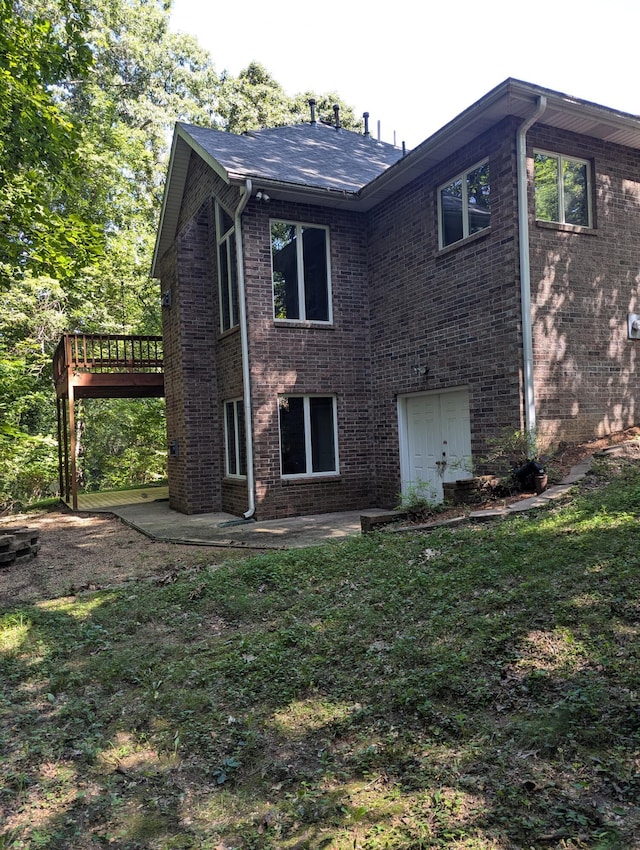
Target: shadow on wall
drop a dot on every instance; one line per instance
(583, 288)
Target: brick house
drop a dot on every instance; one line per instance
(343, 318)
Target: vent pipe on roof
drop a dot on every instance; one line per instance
(336, 112)
(367, 134)
(312, 106)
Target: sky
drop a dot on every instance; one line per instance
(415, 70)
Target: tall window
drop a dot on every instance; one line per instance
(464, 205)
(308, 437)
(301, 279)
(227, 269)
(562, 187)
(235, 441)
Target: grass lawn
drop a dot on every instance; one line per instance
(469, 688)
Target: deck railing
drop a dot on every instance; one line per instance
(107, 353)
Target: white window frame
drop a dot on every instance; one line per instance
(462, 176)
(307, 437)
(224, 242)
(560, 157)
(239, 439)
(300, 225)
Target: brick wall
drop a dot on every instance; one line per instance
(454, 310)
(201, 365)
(290, 358)
(398, 302)
(583, 286)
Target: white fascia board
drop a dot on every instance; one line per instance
(181, 148)
(281, 190)
(195, 146)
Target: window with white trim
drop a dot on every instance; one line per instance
(562, 188)
(301, 273)
(227, 269)
(464, 205)
(308, 435)
(235, 439)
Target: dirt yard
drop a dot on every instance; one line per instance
(81, 552)
(89, 552)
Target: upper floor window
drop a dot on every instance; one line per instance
(562, 187)
(235, 439)
(227, 269)
(301, 278)
(308, 436)
(464, 205)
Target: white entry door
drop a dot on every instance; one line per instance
(435, 444)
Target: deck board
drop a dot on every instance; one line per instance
(112, 499)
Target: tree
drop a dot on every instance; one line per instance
(144, 79)
(40, 170)
(254, 100)
(32, 319)
(82, 158)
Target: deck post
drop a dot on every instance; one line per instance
(60, 465)
(65, 447)
(72, 434)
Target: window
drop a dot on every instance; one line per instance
(227, 269)
(308, 436)
(562, 189)
(301, 284)
(463, 205)
(235, 440)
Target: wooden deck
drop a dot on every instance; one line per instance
(99, 366)
(99, 502)
(108, 366)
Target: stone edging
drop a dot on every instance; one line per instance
(556, 491)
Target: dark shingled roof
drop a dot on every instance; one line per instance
(314, 155)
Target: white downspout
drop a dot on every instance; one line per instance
(525, 267)
(245, 194)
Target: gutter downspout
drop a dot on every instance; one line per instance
(525, 266)
(245, 194)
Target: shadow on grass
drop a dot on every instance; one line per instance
(469, 688)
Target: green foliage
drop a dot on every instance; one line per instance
(31, 320)
(254, 99)
(123, 442)
(324, 110)
(144, 79)
(510, 450)
(417, 497)
(28, 467)
(40, 169)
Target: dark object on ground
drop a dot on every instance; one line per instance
(526, 475)
(18, 545)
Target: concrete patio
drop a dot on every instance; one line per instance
(147, 510)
